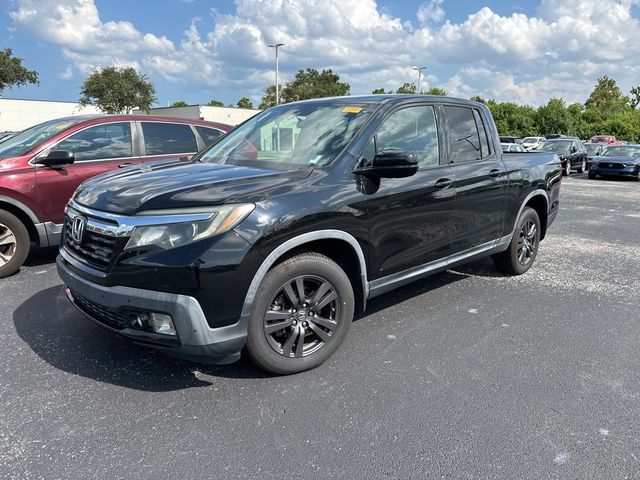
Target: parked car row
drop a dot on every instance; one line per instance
(41, 167)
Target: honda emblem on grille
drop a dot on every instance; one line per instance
(77, 228)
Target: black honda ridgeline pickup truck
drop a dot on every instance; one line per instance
(272, 239)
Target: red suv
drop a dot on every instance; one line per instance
(605, 140)
(41, 167)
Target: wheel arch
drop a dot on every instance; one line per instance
(540, 204)
(25, 215)
(338, 245)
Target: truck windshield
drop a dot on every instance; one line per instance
(291, 136)
(30, 138)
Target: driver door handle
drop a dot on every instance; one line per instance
(122, 165)
(495, 173)
(443, 183)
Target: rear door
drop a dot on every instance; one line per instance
(409, 217)
(480, 179)
(161, 140)
(97, 149)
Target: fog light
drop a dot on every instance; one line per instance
(162, 323)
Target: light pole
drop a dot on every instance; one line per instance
(419, 69)
(276, 45)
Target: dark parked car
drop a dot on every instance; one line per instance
(272, 239)
(617, 161)
(572, 153)
(41, 166)
(593, 151)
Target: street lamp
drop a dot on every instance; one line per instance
(276, 45)
(419, 69)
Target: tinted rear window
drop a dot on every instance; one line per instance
(463, 134)
(166, 138)
(209, 135)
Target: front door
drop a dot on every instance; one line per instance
(97, 149)
(409, 217)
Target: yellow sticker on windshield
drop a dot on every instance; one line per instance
(61, 126)
(352, 109)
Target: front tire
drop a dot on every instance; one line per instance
(583, 166)
(301, 314)
(523, 249)
(14, 243)
(567, 169)
(592, 175)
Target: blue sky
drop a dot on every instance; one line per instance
(197, 50)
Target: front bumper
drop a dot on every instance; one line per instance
(195, 340)
(604, 169)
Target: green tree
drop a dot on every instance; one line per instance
(553, 117)
(607, 96)
(179, 103)
(479, 99)
(378, 91)
(407, 88)
(215, 103)
(269, 98)
(635, 97)
(118, 90)
(513, 119)
(12, 73)
(436, 91)
(244, 102)
(310, 83)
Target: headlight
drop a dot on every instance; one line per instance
(170, 233)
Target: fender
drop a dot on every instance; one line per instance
(296, 242)
(21, 206)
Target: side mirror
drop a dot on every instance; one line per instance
(392, 164)
(57, 157)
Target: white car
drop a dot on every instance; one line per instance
(532, 143)
(512, 147)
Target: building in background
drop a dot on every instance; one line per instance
(16, 115)
(228, 115)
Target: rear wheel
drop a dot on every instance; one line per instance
(522, 251)
(592, 175)
(301, 314)
(14, 243)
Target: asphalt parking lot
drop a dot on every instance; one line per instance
(466, 374)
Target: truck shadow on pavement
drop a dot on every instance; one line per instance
(66, 340)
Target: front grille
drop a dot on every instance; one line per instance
(611, 165)
(95, 248)
(109, 316)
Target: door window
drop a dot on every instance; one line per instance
(209, 135)
(100, 142)
(463, 134)
(166, 138)
(485, 149)
(411, 130)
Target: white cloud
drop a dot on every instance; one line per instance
(431, 11)
(558, 52)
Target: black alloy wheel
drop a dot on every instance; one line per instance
(523, 248)
(567, 168)
(527, 242)
(300, 315)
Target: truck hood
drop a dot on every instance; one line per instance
(179, 184)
